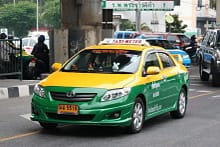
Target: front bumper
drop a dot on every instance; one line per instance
(112, 113)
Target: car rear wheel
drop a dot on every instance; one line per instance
(137, 116)
(48, 125)
(181, 105)
(203, 75)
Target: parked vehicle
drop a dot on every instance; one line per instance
(125, 34)
(178, 39)
(171, 48)
(120, 82)
(209, 57)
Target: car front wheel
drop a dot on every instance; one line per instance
(137, 116)
(203, 75)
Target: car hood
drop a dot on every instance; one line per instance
(96, 80)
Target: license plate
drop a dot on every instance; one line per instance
(68, 109)
(31, 64)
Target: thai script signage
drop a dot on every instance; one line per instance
(143, 5)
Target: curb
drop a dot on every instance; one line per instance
(16, 91)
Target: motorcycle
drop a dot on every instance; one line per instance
(35, 68)
(193, 53)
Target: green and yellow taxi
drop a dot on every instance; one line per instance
(119, 82)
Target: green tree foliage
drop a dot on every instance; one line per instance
(128, 25)
(213, 4)
(51, 14)
(18, 18)
(176, 26)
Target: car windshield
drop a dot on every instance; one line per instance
(104, 61)
(162, 43)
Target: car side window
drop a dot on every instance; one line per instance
(172, 38)
(128, 35)
(151, 60)
(120, 35)
(206, 38)
(166, 60)
(210, 38)
(214, 38)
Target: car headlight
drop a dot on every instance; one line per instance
(115, 94)
(39, 90)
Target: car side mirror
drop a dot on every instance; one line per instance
(212, 44)
(153, 70)
(56, 66)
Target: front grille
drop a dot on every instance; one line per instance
(77, 97)
(82, 117)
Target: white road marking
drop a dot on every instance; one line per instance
(192, 89)
(203, 91)
(27, 116)
(195, 84)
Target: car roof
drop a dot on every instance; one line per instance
(125, 31)
(156, 39)
(119, 45)
(122, 46)
(169, 33)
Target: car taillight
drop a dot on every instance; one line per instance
(28, 48)
(33, 60)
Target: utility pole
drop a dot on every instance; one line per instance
(138, 15)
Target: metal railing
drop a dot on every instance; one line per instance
(11, 57)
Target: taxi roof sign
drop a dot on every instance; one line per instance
(124, 41)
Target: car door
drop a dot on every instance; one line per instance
(209, 51)
(169, 85)
(152, 84)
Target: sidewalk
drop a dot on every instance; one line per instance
(11, 88)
